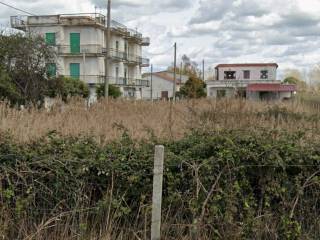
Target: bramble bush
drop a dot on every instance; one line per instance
(219, 185)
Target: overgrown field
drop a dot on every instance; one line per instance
(233, 170)
(161, 119)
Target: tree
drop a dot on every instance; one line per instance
(23, 58)
(294, 76)
(189, 68)
(66, 87)
(193, 88)
(314, 76)
(114, 91)
(7, 89)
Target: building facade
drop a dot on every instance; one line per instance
(162, 84)
(255, 81)
(80, 43)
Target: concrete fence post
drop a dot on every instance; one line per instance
(157, 193)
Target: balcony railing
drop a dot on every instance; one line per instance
(120, 81)
(129, 58)
(74, 50)
(22, 21)
(145, 62)
(239, 83)
(90, 79)
(18, 22)
(117, 55)
(145, 41)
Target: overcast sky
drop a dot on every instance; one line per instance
(219, 31)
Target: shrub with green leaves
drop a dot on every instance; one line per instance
(67, 87)
(219, 185)
(114, 91)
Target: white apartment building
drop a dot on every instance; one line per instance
(80, 42)
(255, 81)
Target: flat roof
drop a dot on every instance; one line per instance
(248, 65)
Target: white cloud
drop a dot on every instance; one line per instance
(285, 31)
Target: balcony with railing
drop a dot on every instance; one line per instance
(131, 59)
(89, 79)
(144, 62)
(21, 22)
(232, 83)
(18, 22)
(88, 49)
(129, 82)
(117, 55)
(119, 81)
(145, 41)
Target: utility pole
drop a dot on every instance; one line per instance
(180, 73)
(151, 78)
(107, 57)
(203, 70)
(174, 72)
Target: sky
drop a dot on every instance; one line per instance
(219, 31)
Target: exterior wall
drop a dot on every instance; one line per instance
(88, 35)
(158, 85)
(285, 95)
(212, 92)
(255, 72)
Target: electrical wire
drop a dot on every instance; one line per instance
(18, 9)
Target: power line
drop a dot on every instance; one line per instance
(18, 9)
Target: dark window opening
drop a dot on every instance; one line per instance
(165, 95)
(117, 46)
(229, 75)
(264, 74)
(246, 74)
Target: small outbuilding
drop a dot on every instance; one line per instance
(161, 85)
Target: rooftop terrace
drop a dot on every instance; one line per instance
(22, 22)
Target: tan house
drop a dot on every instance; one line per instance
(255, 81)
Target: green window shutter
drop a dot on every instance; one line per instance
(75, 70)
(75, 42)
(52, 70)
(51, 39)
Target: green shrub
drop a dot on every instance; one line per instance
(114, 91)
(67, 87)
(261, 176)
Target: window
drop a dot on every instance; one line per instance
(75, 42)
(51, 39)
(117, 74)
(264, 74)
(75, 70)
(246, 74)
(117, 46)
(229, 75)
(51, 69)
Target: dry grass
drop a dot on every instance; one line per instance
(142, 119)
